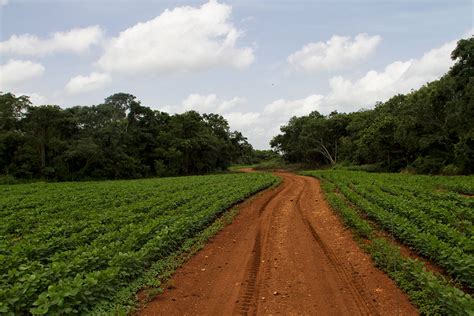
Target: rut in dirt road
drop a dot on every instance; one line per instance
(285, 253)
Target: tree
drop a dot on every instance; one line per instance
(12, 110)
(429, 129)
(48, 127)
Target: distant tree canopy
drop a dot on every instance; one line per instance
(117, 139)
(430, 130)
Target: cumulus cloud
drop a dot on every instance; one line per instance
(78, 41)
(346, 95)
(179, 40)
(335, 54)
(210, 103)
(242, 121)
(94, 81)
(15, 72)
(288, 108)
(397, 77)
(35, 98)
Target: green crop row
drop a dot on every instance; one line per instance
(68, 247)
(454, 253)
(418, 216)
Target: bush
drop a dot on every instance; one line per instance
(8, 179)
(366, 168)
(408, 170)
(451, 170)
(428, 164)
(274, 164)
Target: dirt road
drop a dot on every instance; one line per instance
(285, 253)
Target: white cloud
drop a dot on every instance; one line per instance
(210, 103)
(242, 121)
(347, 95)
(94, 81)
(78, 41)
(15, 72)
(288, 108)
(3, 2)
(397, 77)
(35, 98)
(337, 53)
(179, 40)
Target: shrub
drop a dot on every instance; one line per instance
(451, 170)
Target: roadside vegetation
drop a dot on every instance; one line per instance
(70, 247)
(426, 214)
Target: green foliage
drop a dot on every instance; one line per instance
(119, 139)
(366, 168)
(412, 209)
(427, 129)
(68, 247)
(265, 155)
(451, 170)
(431, 293)
(273, 164)
(8, 180)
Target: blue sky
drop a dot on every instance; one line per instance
(255, 62)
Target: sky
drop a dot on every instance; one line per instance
(257, 63)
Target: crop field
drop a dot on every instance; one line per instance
(67, 247)
(431, 215)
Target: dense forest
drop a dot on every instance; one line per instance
(119, 138)
(430, 130)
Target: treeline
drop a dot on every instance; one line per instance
(430, 130)
(117, 139)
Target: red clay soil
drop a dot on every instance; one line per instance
(285, 253)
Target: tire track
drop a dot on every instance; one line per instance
(249, 295)
(353, 282)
